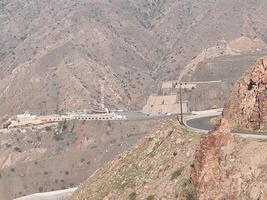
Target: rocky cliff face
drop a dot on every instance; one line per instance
(206, 173)
(228, 167)
(247, 105)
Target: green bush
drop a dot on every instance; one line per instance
(177, 173)
(150, 197)
(48, 128)
(58, 137)
(189, 189)
(17, 149)
(132, 196)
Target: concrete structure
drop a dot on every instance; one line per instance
(186, 86)
(27, 119)
(172, 87)
(26, 115)
(107, 116)
(163, 105)
(167, 88)
(208, 112)
(54, 118)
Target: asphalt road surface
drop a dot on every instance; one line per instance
(202, 124)
(56, 195)
(142, 116)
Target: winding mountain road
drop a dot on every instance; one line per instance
(200, 122)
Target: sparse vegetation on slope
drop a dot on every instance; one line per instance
(54, 157)
(156, 167)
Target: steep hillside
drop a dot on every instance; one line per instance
(157, 167)
(54, 54)
(172, 163)
(190, 27)
(210, 95)
(58, 52)
(54, 157)
(228, 167)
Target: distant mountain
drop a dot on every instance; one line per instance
(54, 54)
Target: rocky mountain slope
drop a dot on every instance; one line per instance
(59, 156)
(157, 167)
(172, 163)
(247, 105)
(228, 167)
(206, 96)
(54, 55)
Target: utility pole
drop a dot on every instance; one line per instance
(102, 98)
(181, 104)
(181, 120)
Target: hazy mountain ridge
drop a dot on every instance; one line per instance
(142, 42)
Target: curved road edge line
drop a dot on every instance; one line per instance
(202, 131)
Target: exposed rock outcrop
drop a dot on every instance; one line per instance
(247, 105)
(207, 172)
(229, 167)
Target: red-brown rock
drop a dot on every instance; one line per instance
(247, 105)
